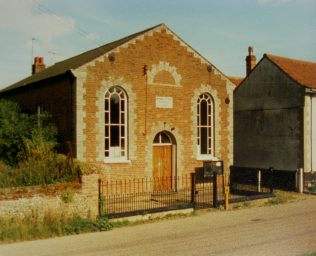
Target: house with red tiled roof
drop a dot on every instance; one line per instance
(275, 118)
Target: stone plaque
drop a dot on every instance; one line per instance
(164, 102)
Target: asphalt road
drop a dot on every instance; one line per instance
(288, 229)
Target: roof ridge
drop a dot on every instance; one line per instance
(123, 39)
(300, 71)
(76, 61)
(269, 55)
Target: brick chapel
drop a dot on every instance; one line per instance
(145, 105)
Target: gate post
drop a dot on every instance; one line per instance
(271, 179)
(193, 189)
(300, 180)
(100, 206)
(215, 199)
(259, 181)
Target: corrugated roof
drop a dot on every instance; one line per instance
(303, 72)
(72, 63)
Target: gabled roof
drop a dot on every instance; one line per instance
(77, 61)
(62, 67)
(303, 72)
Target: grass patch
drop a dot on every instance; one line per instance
(309, 254)
(312, 189)
(282, 197)
(30, 228)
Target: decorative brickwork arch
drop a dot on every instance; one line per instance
(164, 74)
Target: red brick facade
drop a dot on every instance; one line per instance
(181, 75)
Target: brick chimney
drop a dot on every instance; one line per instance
(251, 60)
(38, 65)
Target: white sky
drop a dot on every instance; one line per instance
(221, 30)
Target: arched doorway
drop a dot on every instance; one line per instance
(164, 153)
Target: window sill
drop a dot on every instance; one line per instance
(116, 161)
(206, 158)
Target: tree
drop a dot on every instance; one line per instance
(14, 126)
(21, 135)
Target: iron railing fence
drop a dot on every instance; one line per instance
(310, 182)
(129, 197)
(121, 198)
(252, 182)
(144, 195)
(207, 192)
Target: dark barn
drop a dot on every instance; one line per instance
(274, 118)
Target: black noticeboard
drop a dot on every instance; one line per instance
(211, 167)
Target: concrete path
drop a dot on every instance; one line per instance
(288, 229)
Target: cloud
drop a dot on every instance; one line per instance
(28, 18)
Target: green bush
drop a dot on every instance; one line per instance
(103, 224)
(51, 169)
(27, 150)
(14, 127)
(80, 225)
(22, 135)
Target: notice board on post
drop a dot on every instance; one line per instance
(211, 167)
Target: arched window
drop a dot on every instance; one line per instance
(115, 117)
(205, 125)
(162, 138)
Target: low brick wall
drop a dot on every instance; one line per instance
(38, 201)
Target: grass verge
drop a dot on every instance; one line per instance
(32, 227)
(15, 230)
(280, 197)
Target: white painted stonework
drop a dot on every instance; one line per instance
(310, 133)
(230, 91)
(313, 123)
(81, 75)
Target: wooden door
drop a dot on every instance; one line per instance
(162, 167)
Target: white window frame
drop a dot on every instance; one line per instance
(209, 126)
(117, 154)
(160, 142)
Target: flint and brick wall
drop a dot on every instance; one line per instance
(39, 201)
